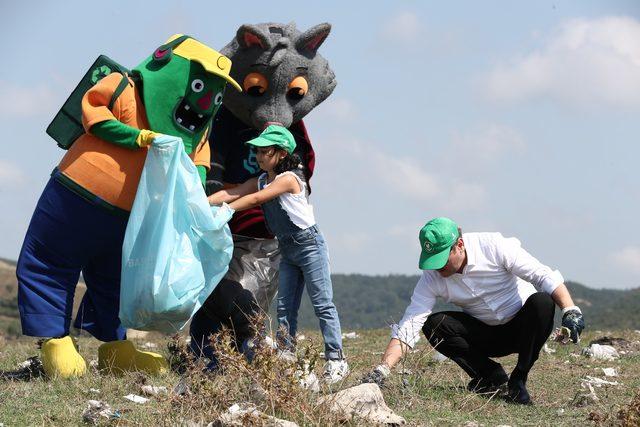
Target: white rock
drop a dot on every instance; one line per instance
(151, 390)
(364, 401)
(136, 399)
(237, 415)
(609, 372)
(604, 352)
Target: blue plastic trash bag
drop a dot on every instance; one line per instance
(176, 247)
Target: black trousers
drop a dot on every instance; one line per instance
(470, 343)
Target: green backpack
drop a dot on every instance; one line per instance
(66, 126)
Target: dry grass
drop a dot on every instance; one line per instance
(427, 393)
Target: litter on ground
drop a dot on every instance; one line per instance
(136, 399)
(604, 352)
(97, 409)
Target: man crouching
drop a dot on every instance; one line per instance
(507, 299)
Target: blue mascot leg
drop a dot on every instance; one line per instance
(52, 255)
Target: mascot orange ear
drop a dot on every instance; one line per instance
(249, 36)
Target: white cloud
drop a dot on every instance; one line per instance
(10, 175)
(585, 61)
(336, 109)
(627, 259)
(403, 27)
(25, 101)
(486, 144)
(404, 176)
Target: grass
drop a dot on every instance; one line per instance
(428, 393)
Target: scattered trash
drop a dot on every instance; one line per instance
(247, 414)
(149, 345)
(97, 409)
(548, 349)
(609, 372)
(597, 382)
(182, 388)
(151, 390)
(617, 343)
(269, 342)
(350, 335)
(438, 357)
(604, 352)
(136, 399)
(560, 411)
(364, 401)
(472, 424)
(561, 335)
(301, 337)
(94, 390)
(585, 397)
(308, 381)
(28, 370)
(405, 371)
(93, 364)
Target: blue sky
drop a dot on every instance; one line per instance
(518, 117)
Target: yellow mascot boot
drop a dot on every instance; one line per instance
(60, 358)
(117, 357)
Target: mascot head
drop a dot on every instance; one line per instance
(282, 74)
(183, 83)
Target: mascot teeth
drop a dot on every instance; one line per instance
(186, 116)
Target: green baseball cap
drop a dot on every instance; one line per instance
(436, 239)
(275, 135)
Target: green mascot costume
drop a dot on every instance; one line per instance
(80, 220)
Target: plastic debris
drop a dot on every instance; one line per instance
(301, 337)
(604, 352)
(350, 336)
(561, 335)
(151, 390)
(136, 399)
(609, 372)
(548, 349)
(597, 382)
(97, 409)
(438, 357)
(182, 388)
(364, 401)
(149, 345)
(94, 390)
(246, 414)
(29, 369)
(586, 396)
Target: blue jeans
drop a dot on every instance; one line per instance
(305, 261)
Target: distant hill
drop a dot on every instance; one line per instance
(366, 302)
(377, 301)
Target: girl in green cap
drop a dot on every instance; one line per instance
(282, 191)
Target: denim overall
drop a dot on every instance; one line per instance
(304, 261)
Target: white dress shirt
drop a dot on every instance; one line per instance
(494, 285)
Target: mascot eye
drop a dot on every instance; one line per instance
(218, 99)
(255, 84)
(297, 88)
(197, 85)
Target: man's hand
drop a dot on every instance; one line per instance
(573, 320)
(378, 375)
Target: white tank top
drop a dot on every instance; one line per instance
(297, 206)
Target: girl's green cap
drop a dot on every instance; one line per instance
(275, 135)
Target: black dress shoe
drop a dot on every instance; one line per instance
(518, 393)
(488, 384)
